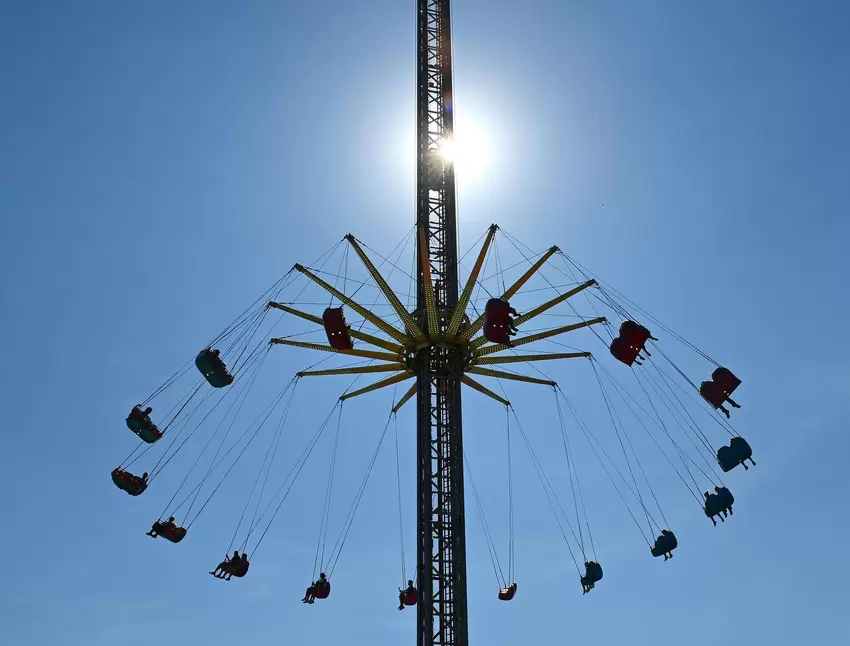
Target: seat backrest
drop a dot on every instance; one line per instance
(712, 505)
(740, 448)
(506, 594)
(333, 318)
(711, 393)
(623, 352)
(496, 305)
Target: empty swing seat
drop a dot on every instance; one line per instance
(126, 481)
(210, 364)
(507, 593)
(335, 327)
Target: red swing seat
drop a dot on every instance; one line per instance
(496, 318)
(170, 532)
(725, 380)
(323, 591)
(628, 344)
(712, 393)
(410, 597)
(335, 327)
(126, 481)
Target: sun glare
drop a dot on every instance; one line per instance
(447, 150)
(468, 151)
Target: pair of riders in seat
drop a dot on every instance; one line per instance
(319, 589)
(231, 566)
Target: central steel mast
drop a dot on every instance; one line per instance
(441, 535)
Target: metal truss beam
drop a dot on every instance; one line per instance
(389, 381)
(531, 338)
(522, 358)
(463, 301)
(501, 374)
(358, 370)
(405, 398)
(355, 334)
(469, 381)
(412, 328)
(366, 354)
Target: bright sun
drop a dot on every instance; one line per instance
(468, 151)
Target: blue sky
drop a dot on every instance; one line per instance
(161, 165)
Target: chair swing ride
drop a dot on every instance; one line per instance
(452, 333)
(488, 341)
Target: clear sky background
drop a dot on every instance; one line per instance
(161, 163)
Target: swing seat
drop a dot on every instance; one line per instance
(140, 423)
(171, 532)
(126, 481)
(721, 385)
(729, 457)
(726, 459)
(334, 322)
(593, 574)
(239, 569)
(150, 434)
(507, 593)
(725, 380)
(725, 498)
(664, 543)
(712, 393)
(410, 597)
(323, 591)
(627, 345)
(137, 419)
(742, 449)
(634, 334)
(713, 506)
(497, 311)
(496, 318)
(212, 367)
(495, 333)
(624, 352)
